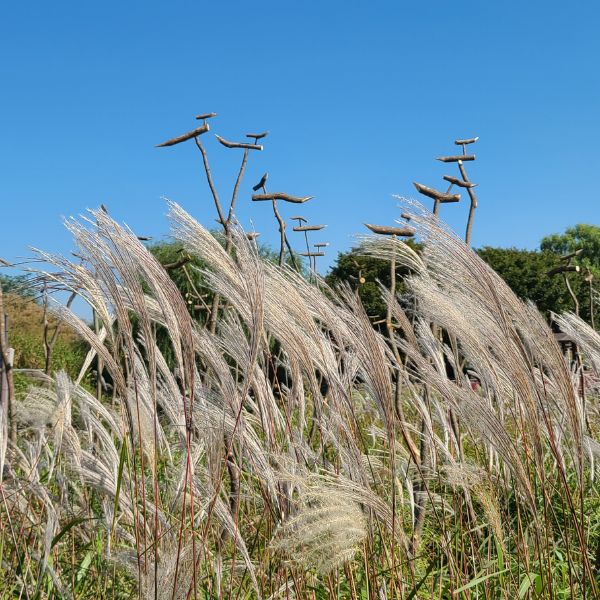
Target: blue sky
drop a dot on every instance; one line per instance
(358, 97)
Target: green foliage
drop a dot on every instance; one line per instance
(352, 266)
(187, 277)
(17, 284)
(582, 236)
(525, 271)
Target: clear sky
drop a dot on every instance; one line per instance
(359, 97)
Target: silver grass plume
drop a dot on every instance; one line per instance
(326, 529)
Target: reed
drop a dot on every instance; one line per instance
(268, 458)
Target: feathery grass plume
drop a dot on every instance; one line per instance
(293, 397)
(472, 477)
(170, 577)
(497, 333)
(50, 409)
(586, 338)
(326, 528)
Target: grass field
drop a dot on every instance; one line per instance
(297, 452)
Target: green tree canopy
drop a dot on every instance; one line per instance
(526, 272)
(582, 236)
(363, 273)
(186, 271)
(17, 284)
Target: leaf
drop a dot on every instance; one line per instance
(528, 580)
(72, 523)
(123, 455)
(84, 566)
(500, 554)
(478, 580)
(413, 592)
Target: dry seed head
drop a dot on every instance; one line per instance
(326, 530)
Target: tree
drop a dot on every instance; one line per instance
(186, 272)
(526, 273)
(17, 284)
(582, 236)
(365, 273)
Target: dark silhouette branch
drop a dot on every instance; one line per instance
(177, 264)
(257, 136)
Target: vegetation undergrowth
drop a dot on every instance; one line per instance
(295, 451)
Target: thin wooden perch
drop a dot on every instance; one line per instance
(309, 227)
(435, 194)
(184, 260)
(467, 141)
(459, 182)
(186, 136)
(257, 136)
(299, 219)
(465, 157)
(229, 144)
(205, 116)
(385, 230)
(312, 254)
(281, 196)
(563, 269)
(572, 254)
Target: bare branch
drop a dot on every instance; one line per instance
(229, 144)
(435, 194)
(211, 183)
(572, 254)
(178, 263)
(466, 141)
(385, 230)
(309, 227)
(458, 158)
(459, 182)
(186, 136)
(563, 269)
(281, 196)
(205, 116)
(236, 187)
(257, 136)
(473, 207)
